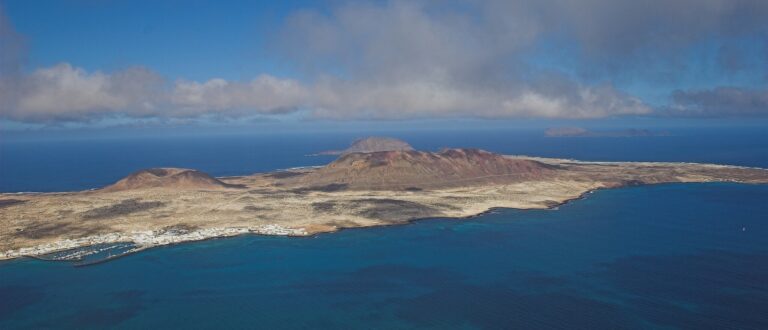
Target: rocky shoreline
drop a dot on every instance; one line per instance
(149, 239)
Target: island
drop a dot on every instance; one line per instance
(371, 144)
(582, 132)
(163, 206)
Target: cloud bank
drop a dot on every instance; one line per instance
(66, 93)
(419, 59)
(722, 101)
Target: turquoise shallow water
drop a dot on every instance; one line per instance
(668, 256)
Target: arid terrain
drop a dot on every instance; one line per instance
(168, 205)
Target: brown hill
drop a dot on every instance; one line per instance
(372, 144)
(413, 170)
(172, 178)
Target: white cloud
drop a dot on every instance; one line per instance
(69, 93)
(64, 92)
(425, 99)
(265, 94)
(401, 59)
(719, 102)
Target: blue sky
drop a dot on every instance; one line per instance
(95, 63)
(215, 39)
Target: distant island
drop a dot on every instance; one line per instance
(162, 206)
(582, 132)
(371, 144)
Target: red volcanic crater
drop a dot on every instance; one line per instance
(408, 169)
(168, 177)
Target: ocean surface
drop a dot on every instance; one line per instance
(691, 256)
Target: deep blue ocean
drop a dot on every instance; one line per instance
(690, 256)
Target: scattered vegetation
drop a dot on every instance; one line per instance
(283, 174)
(324, 206)
(125, 207)
(333, 187)
(254, 208)
(393, 210)
(9, 202)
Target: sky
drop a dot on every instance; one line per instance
(105, 63)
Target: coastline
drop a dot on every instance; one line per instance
(219, 233)
(160, 239)
(146, 240)
(272, 204)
